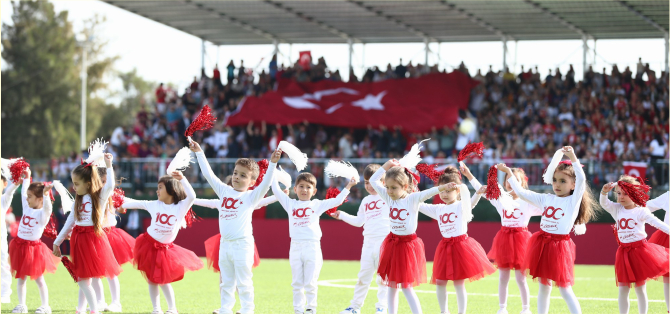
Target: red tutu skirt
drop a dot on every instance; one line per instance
(212, 246)
(31, 258)
(163, 263)
(460, 258)
(550, 257)
(661, 238)
(91, 254)
(509, 247)
(638, 261)
(402, 263)
(122, 244)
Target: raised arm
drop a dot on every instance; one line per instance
(466, 205)
(325, 205)
(661, 202)
(649, 218)
(607, 205)
(580, 176)
(108, 188)
(283, 199)
(219, 187)
(426, 194)
(8, 196)
(47, 206)
(24, 192)
(376, 182)
(430, 210)
(186, 203)
(129, 203)
(266, 201)
(531, 197)
(263, 188)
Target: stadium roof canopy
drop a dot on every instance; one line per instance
(347, 21)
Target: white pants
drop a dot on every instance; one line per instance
(6, 273)
(369, 265)
(306, 261)
(235, 261)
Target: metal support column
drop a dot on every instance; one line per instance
(504, 65)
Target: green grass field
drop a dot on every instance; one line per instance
(198, 292)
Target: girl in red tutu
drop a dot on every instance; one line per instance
(402, 262)
(29, 256)
(91, 254)
(122, 245)
(661, 238)
(161, 261)
(510, 243)
(550, 255)
(458, 257)
(636, 259)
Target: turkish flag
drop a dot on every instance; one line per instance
(416, 105)
(634, 168)
(305, 60)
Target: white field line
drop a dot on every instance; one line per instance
(334, 283)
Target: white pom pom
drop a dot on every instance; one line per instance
(297, 157)
(66, 199)
(341, 169)
(283, 177)
(181, 161)
(96, 153)
(579, 229)
(412, 158)
(548, 176)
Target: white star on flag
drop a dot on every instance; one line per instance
(370, 102)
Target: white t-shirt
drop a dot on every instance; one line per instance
(403, 213)
(86, 209)
(166, 219)
(452, 219)
(235, 208)
(216, 203)
(373, 215)
(657, 149)
(630, 222)
(117, 136)
(559, 213)
(303, 216)
(34, 221)
(517, 216)
(661, 202)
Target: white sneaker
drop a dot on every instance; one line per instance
(20, 309)
(502, 311)
(171, 312)
(310, 311)
(297, 312)
(5, 299)
(157, 312)
(114, 308)
(380, 310)
(350, 310)
(526, 312)
(217, 311)
(43, 310)
(102, 306)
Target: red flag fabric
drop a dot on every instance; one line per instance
(416, 104)
(305, 59)
(634, 168)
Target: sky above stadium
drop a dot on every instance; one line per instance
(163, 54)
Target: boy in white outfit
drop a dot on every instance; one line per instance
(373, 215)
(305, 255)
(236, 254)
(6, 277)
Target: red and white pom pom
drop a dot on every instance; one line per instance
(50, 230)
(298, 158)
(16, 168)
(471, 150)
(66, 199)
(262, 169)
(204, 121)
(638, 193)
(333, 192)
(429, 171)
(96, 153)
(190, 218)
(341, 169)
(492, 188)
(180, 161)
(118, 197)
(69, 266)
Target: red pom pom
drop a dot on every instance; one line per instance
(471, 150)
(50, 230)
(333, 192)
(191, 217)
(636, 192)
(117, 197)
(492, 188)
(69, 266)
(204, 121)
(616, 234)
(17, 168)
(429, 171)
(263, 168)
